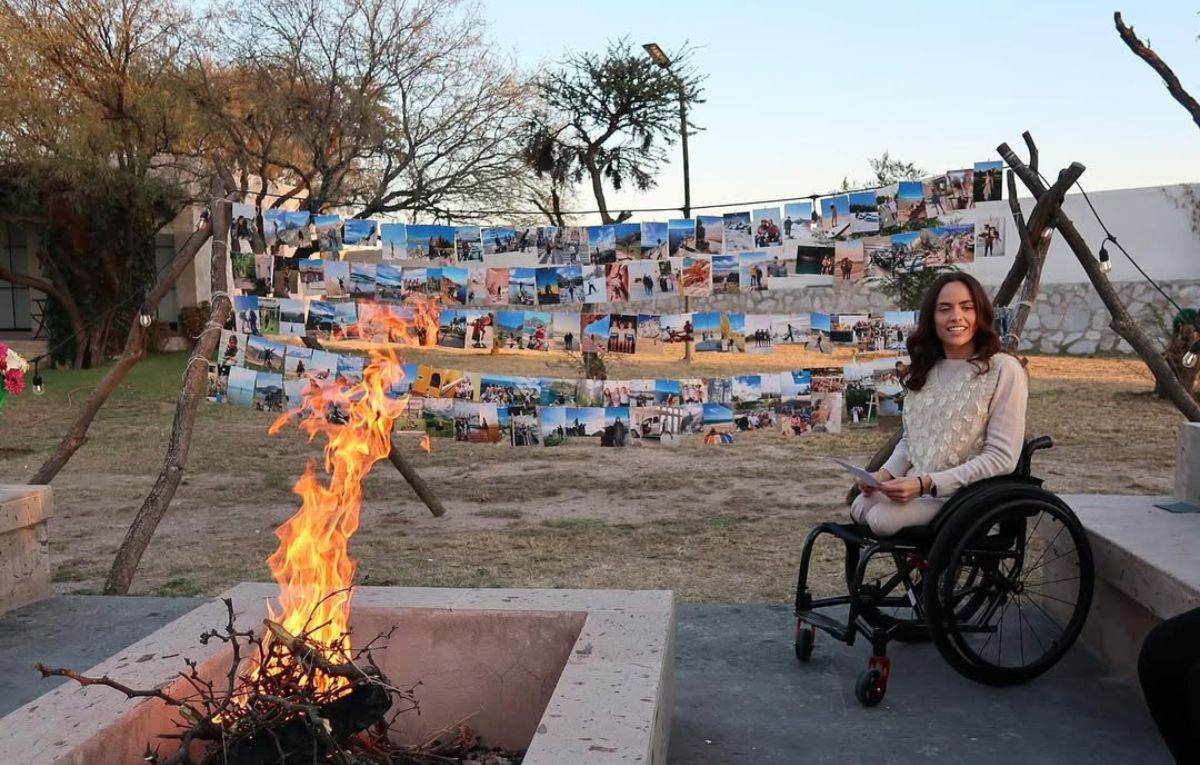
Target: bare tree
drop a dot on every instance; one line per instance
(384, 105)
(1152, 59)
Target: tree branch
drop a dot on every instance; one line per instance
(1142, 51)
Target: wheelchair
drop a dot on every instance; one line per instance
(976, 581)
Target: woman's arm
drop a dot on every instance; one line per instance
(898, 464)
(1005, 432)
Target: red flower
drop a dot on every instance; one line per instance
(14, 381)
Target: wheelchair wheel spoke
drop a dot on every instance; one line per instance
(1035, 632)
(1041, 594)
(1047, 563)
(1037, 563)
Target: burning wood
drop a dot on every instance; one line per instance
(296, 692)
(296, 712)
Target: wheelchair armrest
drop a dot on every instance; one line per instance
(1024, 462)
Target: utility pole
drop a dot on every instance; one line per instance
(659, 57)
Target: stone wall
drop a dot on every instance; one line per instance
(1067, 318)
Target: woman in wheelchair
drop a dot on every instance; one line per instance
(964, 410)
(959, 543)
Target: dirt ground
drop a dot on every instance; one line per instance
(710, 523)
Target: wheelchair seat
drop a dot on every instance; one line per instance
(922, 536)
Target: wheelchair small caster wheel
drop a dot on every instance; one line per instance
(805, 637)
(870, 688)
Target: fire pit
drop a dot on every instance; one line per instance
(575, 676)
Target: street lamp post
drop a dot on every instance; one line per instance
(659, 57)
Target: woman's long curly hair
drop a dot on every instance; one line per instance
(924, 347)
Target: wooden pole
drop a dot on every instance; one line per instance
(154, 507)
(1122, 323)
(396, 457)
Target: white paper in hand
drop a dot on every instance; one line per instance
(859, 473)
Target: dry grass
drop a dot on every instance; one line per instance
(718, 524)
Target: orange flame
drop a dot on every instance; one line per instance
(312, 564)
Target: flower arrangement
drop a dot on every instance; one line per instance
(12, 370)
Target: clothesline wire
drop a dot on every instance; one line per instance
(1110, 237)
(462, 214)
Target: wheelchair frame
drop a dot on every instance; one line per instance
(908, 549)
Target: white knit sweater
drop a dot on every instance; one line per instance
(962, 427)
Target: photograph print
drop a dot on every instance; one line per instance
(430, 242)
(835, 215)
(681, 236)
(790, 329)
(910, 202)
(616, 282)
(988, 181)
(935, 193)
(725, 274)
(864, 212)
(628, 240)
(499, 240)
(989, 237)
(768, 228)
(602, 244)
(393, 241)
(814, 266)
(362, 280)
(737, 232)
(264, 354)
(481, 329)
(797, 223)
(292, 317)
(522, 286)
(960, 189)
(654, 241)
(453, 287)
(848, 263)
(468, 244)
(752, 271)
(696, 274)
(710, 234)
(535, 330)
(329, 232)
(495, 282)
(584, 421)
(552, 424)
(595, 332)
(359, 232)
(509, 333)
(885, 206)
(389, 282)
(452, 328)
(758, 332)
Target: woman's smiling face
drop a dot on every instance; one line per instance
(954, 319)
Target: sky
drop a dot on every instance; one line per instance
(940, 84)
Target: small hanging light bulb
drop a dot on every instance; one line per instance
(144, 317)
(1105, 260)
(1192, 356)
(39, 387)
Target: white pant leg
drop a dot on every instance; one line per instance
(886, 517)
(862, 504)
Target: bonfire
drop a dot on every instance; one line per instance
(296, 690)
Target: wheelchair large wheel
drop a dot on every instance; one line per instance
(1009, 585)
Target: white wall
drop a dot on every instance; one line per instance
(1147, 222)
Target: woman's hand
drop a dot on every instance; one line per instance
(881, 475)
(902, 489)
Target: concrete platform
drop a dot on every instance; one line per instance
(579, 676)
(1147, 570)
(741, 697)
(24, 548)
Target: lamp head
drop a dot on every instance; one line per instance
(657, 55)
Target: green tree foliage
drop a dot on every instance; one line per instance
(607, 118)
